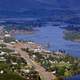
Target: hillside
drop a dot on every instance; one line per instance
(38, 8)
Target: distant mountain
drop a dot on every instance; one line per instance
(30, 8)
(42, 13)
(38, 4)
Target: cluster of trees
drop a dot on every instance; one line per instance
(72, 35)
(65, 65)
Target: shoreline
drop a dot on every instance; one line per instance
(56, 53)
(24, 32)
(71, 36)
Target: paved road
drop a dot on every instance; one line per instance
(43, 73)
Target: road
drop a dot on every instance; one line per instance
(43, 73)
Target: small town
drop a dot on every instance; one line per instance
(26, 60)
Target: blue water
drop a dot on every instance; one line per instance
(77, 77)
(54, 36)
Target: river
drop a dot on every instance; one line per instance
(77, 77)
(53, 36)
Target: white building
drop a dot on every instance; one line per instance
(7, 35)
(2, 53)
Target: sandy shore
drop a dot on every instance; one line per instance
(15, 32)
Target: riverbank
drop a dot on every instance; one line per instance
(58, 63)
(71, 35)
(53, 37)
(47, 35)
(20, 32)
(77, 77)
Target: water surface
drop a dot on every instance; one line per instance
(52, 35)
(77, 77)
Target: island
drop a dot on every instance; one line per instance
(72, 32)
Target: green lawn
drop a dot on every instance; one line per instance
(62, 64)
(10, 76)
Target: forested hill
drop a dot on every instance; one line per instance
(38, 4)
(38, 8)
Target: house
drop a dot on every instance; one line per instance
(37, 50)
(25, 70)
(54, 72)
(14, 63)
(1, 72)
(12, 42)
(2, 53)
(2, 59)
(7, 35)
